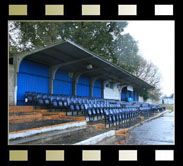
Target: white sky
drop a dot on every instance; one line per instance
(156, 43)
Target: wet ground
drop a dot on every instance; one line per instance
(159, 131)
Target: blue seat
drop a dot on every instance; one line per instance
(82, 107)
(71, 108)
(54, 103)
(113, 111)
(40, 101)
(77, 108)
(28, 98)
(65, 104)
(60, 104)
(90, 114)
(101, 112)
(47, 102)
(94, 113)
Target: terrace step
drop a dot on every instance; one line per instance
(65, 137)
(20, 114)
(17, 109)
(53, 136)
(75, 137)
(21, 117)
(43, 111)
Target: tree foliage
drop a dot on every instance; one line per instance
(106, 39)
(149, 72)
(103, 38)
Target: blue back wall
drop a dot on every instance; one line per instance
(97, 89)
(83, 86)
(137, 97)
(62, 83)
(32, 77)
(123, 94)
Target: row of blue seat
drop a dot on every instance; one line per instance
(77, 103)
(50, 100)
(116, 117)
(113, 111)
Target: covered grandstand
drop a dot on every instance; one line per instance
(67, 68)
(64, 83)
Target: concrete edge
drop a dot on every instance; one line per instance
(97, 138)
(47, 129)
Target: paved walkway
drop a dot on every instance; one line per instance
(159, 131)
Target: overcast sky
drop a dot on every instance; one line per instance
(156, 43)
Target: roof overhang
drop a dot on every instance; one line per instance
(73, 58)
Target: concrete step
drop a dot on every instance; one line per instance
(17, 109)
(24, 117)
(62, 137)
(53, 137)
(77, 137)
(43, 111)
(20, 115)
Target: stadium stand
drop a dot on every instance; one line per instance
(64, 77)
(114, 112)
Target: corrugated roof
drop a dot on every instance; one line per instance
(75, 58)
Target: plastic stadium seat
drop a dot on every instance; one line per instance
(77, 108)
(65, 104)
(94, 113)
(71, 107)
(90, 115)
(82, 107)
(28, 98)
(60, 104)
(40, 101)
(54, 103)
(114, 112)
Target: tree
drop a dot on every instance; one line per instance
(103, 38)
(106, 39)
(150, 73)
(97, 37)
(126, 52)
(144, 94)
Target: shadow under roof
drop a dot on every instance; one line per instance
(74, 58)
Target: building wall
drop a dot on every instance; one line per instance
(125, 94)
(116, 93)
(97, 89)
(32, 77)
(62, 83)
(11, 84)
(141, 99)
(83, 86)
(111, 93)
(167, 101)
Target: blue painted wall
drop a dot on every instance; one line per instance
(32, 77)
(83, 86)
(97, 89)
(123, 94)
(137, 97)
(134, 99)
(129, 96)
(62, 83)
